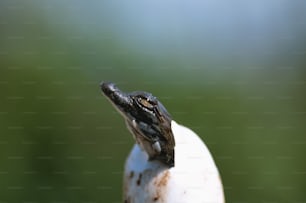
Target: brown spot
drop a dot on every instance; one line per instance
(131, 174)
(163, 180)
(138, 182)
(160, 184)
(127, 200)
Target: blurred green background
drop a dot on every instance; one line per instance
(234, 72)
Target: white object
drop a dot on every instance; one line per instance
(194, 178)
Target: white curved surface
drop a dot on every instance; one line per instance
(194, 178)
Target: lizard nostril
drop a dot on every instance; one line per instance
(108, 87)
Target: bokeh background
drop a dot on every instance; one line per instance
(233, 71)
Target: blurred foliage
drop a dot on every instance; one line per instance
(61, 141)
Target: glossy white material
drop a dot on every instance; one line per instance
(194, 178)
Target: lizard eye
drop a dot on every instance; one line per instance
(146, 103)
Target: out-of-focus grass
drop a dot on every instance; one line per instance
(61, 141)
